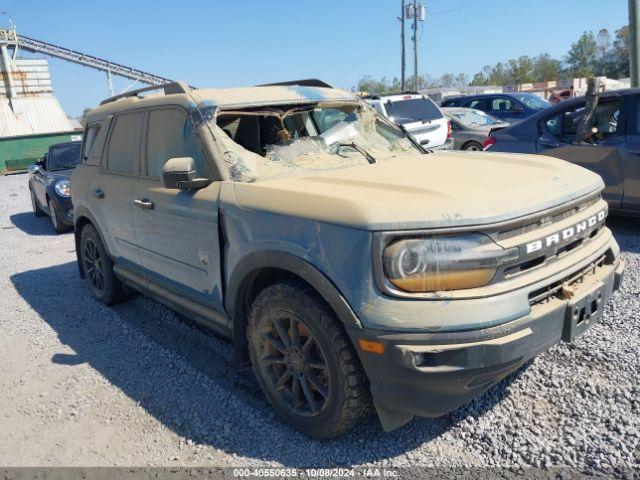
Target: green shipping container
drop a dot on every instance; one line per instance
(17, 153)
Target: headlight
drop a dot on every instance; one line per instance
(63, 188)
(443, 262)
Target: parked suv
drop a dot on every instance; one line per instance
(349, 270)
(418, 115)
(508, 107)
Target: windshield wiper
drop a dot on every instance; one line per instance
(370, 158)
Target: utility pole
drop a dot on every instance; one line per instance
(634, 46)
(404, 59)
(415, 45)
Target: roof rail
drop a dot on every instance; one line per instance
(169, 89)
(309, 82)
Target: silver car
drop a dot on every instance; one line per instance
(470, 127)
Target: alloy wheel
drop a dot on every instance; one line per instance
(34, 205)
(296, 366)
(93, 265)
(53, 215)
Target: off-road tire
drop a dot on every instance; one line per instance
(109, 291)
(472, 147)
(37, 211)
(56, 221)
(347, 399)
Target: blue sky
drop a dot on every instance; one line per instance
(229, 43)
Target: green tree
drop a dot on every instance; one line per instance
(546, 68)
(520, 71)
(368, 84)
(581, 58)
(620, 54)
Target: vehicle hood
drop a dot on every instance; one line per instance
(60, 174)
(442, 189)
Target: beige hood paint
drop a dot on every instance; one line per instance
(443, 189)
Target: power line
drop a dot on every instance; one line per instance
(452, 10)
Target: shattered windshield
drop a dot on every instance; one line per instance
(277, 141)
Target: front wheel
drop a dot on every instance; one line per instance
(305, 362)
(56, 220)
(37, 211)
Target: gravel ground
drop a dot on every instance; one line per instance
(87, 385)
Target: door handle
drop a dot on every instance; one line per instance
(144, 203)
(98, 193)
(549, 144)
(633, 152)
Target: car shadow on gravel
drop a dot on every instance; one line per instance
(32, 225)
(185, 378)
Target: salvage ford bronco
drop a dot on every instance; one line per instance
(353, 270)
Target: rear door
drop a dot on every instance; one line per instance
(177, 231)
(631, 200)
(603, 152)
(109, 194)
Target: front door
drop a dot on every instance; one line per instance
(177, 231)
(601, 152)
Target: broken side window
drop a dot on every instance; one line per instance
(604, 124)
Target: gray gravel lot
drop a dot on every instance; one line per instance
(87, 385)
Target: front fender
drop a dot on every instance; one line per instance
(246, 270)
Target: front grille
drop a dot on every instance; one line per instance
(549, 218)
(544, 259)
(554, 290)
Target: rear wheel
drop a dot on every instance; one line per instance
(304, 361)
(472, 147)
(98, 268)
(37, 211)
(56, 221)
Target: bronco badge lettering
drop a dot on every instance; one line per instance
(567, 233)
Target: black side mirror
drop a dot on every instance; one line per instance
(180, 173)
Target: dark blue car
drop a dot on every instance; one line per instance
(49, 184)
(510, 107)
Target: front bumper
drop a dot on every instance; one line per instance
(65, 208)
(431, 374)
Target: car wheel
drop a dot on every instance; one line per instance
(305, 362)
(472, 147)
(56, 221)
(37, 211)
(98, 268)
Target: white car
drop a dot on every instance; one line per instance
(418, 115)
